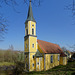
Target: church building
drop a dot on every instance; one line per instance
(40, 55)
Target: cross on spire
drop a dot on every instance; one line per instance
(30, 14)
(30, 0)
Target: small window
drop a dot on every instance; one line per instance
(51, 59)
(26, 65)
(38, 63)
(41, 58)
(33, 56)
(26, 31)
(33, 65)
(32, 31)
(26, 56)
(32, 45)
(25, 25)
(26, 45)
(58, 57)
(33, 25)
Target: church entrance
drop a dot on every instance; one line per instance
(37, 64)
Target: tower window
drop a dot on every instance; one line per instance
(32, 31)
(26, 45)
(25, 25)
(26, 56)
(32, 45)
(33, 25)
(26, 31)
(33, 65)
(38, 63)
(33, 56)
(51, 59)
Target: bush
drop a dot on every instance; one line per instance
(19, 68)
(11, 56)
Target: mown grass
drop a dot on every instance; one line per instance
(68, 69)
(6, 64)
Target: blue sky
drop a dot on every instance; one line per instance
(54, 24)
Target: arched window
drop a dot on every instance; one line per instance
(33, 25)
(32, 45)
(32, 31)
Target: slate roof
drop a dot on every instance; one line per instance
(51, 48)
(30, 14)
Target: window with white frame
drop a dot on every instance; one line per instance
(32, 45)
(58, 57)
(51, 58)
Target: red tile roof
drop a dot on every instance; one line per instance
(48, 47)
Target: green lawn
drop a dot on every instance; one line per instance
(68, 69)
(6, 63)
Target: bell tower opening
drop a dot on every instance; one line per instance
(32, 31)
(30, 43)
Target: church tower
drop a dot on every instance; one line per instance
(30, 41)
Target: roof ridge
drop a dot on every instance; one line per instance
(48, 47)
(48, 42)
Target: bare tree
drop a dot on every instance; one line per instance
(3, 27)
(12, 3)
(3, 21)
(64, 48)
(71, 6)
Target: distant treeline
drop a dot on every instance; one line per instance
(11, 56)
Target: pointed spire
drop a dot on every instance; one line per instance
(30, 14)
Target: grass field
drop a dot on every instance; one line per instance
(6, 64)
(68, 69)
